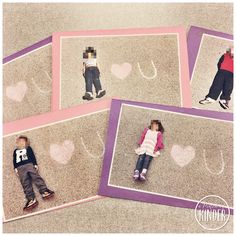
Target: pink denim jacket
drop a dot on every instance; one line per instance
(159, 144)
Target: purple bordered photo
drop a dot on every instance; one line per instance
(26, 50)
(194, 41)
(131, 193)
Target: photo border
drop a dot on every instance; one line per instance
(27, 50)
(107, 190)
(185, 90)
(47, 119)
(194, 39)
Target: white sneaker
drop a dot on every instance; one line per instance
(224, 104)
(207, 100)
(142, 176)
(136, 175)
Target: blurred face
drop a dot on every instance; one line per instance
(89, 55)
(232, 51)
(21, 143)
(154, 126)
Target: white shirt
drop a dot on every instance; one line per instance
(90, 62)
(149, 143)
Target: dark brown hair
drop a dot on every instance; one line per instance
(25, 138)
(160, 126)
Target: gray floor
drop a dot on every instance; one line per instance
(25, 24)
(30, 24)
(114, 215)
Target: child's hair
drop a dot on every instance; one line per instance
(89, 50)
(23, 137)
(160, 126)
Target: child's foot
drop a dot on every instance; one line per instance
(136, 175)
(224, 104)
(101, 93)
(47, 194)
(207, 100)
(88, 96)
(30, 204)
(143, 176)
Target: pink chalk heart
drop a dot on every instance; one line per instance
(62, 153)
(17, 92)
(121, 71)
(182, 156)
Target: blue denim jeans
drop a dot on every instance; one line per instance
(91, 76)
(143, 162)
(222, 83)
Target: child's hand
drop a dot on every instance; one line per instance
(36, 167)
(16, 171)
(157, 153)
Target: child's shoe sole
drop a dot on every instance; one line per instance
(135, 178)
(87, 98)
(204, 102)
(142, 179)
(223, 105)
(49, 196)
(101, 94)
(31, 207)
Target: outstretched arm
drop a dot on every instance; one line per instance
(142, 136)
(14, 159)
(30, 152)
(159, 143)
(220, 61)
(83, 70)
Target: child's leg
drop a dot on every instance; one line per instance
(227, 86)
(217, 86)
(88, 80)
(96, 80)
(97, 83)
(37, 179)
(146, 165)
(140, 161)
(26, 182)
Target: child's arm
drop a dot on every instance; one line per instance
(14, 159)
(14, 162)
(30, 153)
(83, 70)
(159, 143)
(142, 136)
(220, 61)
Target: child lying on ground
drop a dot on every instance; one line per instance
(150, 145)
(223, 81)
(26, 168)
(91, 74)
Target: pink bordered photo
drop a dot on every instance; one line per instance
(69, 147)
(149, 65)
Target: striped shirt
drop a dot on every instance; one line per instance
(149, 142)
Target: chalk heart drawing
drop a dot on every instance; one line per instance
(121, 71)
(62, 153)
(182, 155)
(17, 92)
